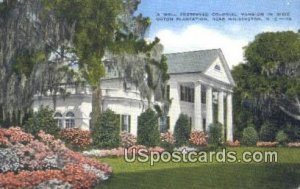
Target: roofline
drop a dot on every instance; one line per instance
(217, 49)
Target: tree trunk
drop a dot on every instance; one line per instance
(96, 105)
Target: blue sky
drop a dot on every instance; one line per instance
(230, 36)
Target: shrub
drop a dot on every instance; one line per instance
(233, 144)
(127, 139)
(267, 132)
(182, 130)
(266, 144)
(167, 141)
(148, 133)
(42, 120)
(106, 133)
(76, 138)
(215, 134)
(250, 136)
(198, 138)
(281, 137)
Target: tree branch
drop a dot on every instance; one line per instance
(295, 116)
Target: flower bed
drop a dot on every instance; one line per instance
(266, 144)
(26, 162)
(120, 151)
(167, 137)
(294, 144)
(236, 143)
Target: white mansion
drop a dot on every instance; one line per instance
(200, 86)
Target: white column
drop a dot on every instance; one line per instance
(209, 106)
(221, 111)
(221, 107)
(197, 108)
(133, 124)
(229, 118)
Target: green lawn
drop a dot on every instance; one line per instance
(283, 174)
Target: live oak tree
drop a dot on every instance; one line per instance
(45, 41)
(268, 83)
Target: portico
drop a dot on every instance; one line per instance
(201, 87)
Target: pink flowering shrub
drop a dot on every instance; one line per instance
(76, 137)
(294, 144)
(167, 137)
(44, 159)
(198, 138)
(266, 144)
(127, 139)
(14, 135)
(236, 143)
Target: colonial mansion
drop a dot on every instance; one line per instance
(200, 86)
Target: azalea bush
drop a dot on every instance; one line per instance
(236, 143)
(127, 139)
(76, 137)
(29, 162)
(199, 138)
(294, 144)
(266, 144)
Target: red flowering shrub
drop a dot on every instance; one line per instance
(36, 159)
(167, 137)
(127, 139)
(76, 136)
(236, 143)
(14, 135)
(294, 145)
(266, 144)
(198, 138)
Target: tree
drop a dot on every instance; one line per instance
(268, 82)
(42, 120)
(106, 133)
(182, 130)
(148, 132)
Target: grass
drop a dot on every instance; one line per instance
(283, 174)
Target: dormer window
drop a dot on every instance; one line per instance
(217, 67)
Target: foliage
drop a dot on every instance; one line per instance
(215, 134)
(148, 132)
(250, 136)
(127, 139)
(236, 143)
(268, 82)
(266, 144)
(198, 138)
(44, 159)
(167, 141)
(76, 137)
(267, 132)
(182, 130)
(106, 133)
(281, 137)
(42, 120)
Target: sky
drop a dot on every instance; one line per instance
(230, 36)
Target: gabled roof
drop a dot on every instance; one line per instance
(196, 61)
(193, 61)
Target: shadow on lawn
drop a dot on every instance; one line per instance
(212, 176)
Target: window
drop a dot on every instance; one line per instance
(187, 94)
(70, 120)
(217, 67)
(125, 123)
(164, 124)
(59, 119)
